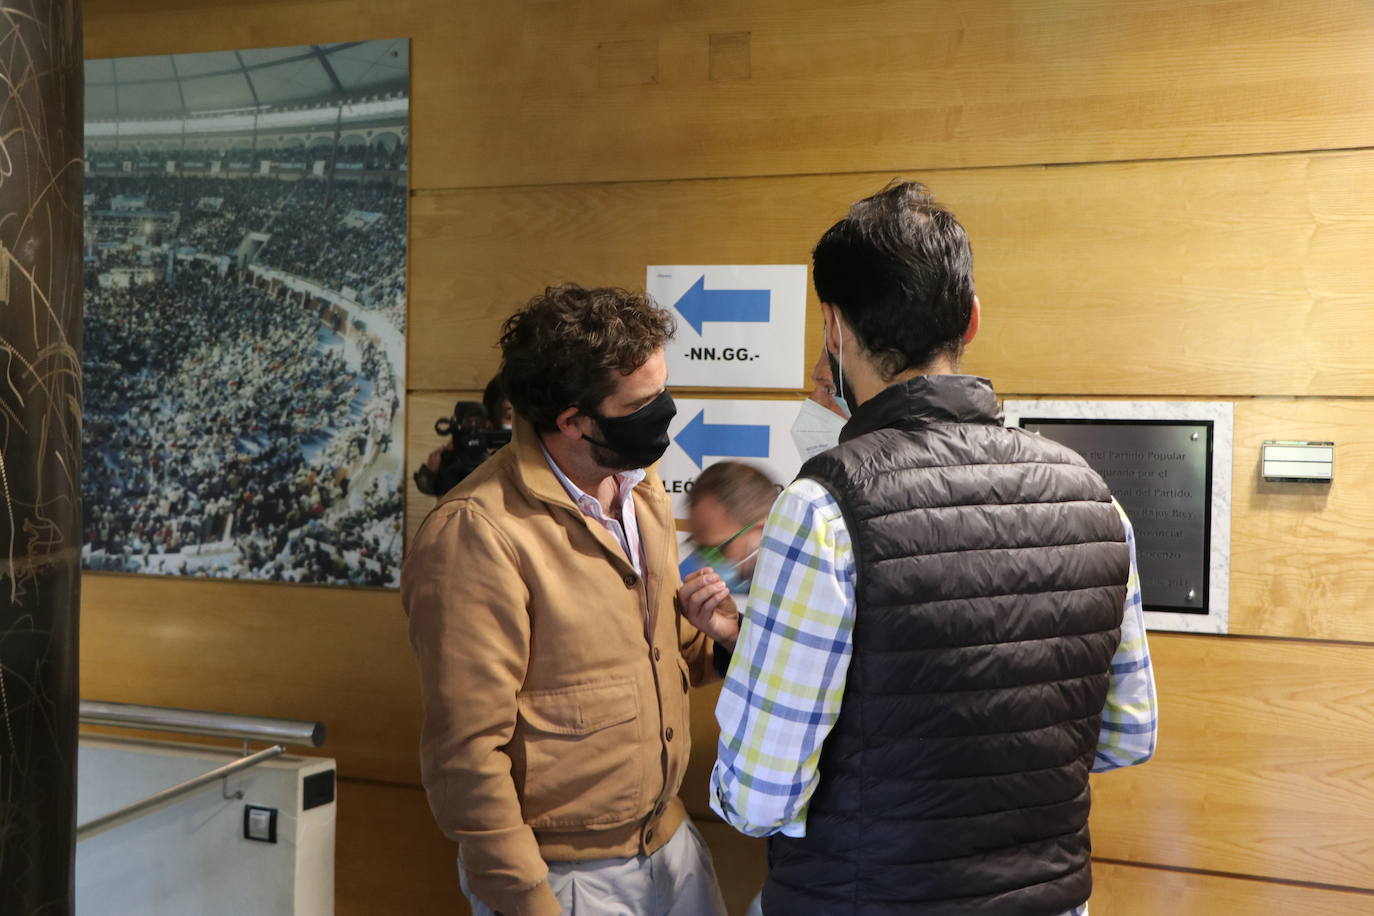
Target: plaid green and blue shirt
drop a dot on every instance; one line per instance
(786, 680)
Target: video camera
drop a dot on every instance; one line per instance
(473, 442)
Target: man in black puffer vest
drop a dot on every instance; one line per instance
(942, 609)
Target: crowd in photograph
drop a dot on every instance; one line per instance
(128, 259)
(344, 236)
(223, 431)
(361, 248)
(245, 205)
(367, 157)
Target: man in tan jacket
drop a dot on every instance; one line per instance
(554, 664)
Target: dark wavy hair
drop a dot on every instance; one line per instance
(567, 345)
(900, 268)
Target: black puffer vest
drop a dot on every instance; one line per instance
(992, 570)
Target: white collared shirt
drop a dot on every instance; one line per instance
(626, 530)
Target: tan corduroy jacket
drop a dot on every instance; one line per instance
(554, 728)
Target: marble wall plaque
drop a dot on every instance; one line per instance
(1168, 464)
(1160, 472)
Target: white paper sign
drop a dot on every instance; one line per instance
(707, 431)
(738, 327)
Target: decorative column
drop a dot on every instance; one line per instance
(40, 449)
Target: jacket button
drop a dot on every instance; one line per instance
(657, 654)
(631, 580)
(668, 733)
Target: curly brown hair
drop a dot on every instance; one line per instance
(566, 346)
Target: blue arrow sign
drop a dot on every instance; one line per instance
(724, 440)
(700, 305)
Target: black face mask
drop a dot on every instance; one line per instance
(639, 439)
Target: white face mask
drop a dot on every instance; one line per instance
(816, 429)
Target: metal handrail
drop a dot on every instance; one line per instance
(197, 722)
(167, 796)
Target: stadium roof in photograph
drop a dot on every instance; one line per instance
(179, 85)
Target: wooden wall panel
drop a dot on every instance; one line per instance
(1302, 555)
(1217, 277)
(741, 863)
(1265, 763)
(339, 655)
(134, 28)
(389, 857)
(1123, 890)
(483, 254)
(696, 782)
(843, 87)
(534, 93)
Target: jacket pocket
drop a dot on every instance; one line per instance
(584, 763)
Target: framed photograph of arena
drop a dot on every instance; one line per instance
(245, 313)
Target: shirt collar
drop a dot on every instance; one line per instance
(590, 505)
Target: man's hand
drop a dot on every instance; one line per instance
(707, 604)
(437, 456)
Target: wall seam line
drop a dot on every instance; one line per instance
(896, 170)
(1238, 876)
